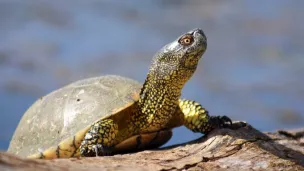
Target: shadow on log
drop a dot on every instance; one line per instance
(240, 148)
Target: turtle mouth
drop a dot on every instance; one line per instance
(191, 67)
(191, 61)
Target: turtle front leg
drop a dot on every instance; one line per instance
(197, 119)
(100, 138)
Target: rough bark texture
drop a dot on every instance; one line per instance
(242, 148)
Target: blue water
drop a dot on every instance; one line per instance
(252, 70)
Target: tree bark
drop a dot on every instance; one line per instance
(240, 148)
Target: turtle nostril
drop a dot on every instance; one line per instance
(198, 31)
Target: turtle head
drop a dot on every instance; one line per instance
(177, 61)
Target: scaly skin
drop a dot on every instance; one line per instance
(197, 119)
(148, 122)
(171, 68)
(159, 100)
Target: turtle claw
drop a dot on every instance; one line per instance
(102, 151)
(96, 150)
(221, 121)
(225, 121)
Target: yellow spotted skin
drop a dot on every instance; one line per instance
(102, 132)
(196, 118)
(156, 109)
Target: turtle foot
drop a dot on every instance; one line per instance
(220, 121)
(102, 151)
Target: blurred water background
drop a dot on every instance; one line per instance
(252, 70)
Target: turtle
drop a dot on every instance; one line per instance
(113, 114)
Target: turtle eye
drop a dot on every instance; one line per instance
(186, 40)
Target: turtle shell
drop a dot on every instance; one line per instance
(62, 113)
